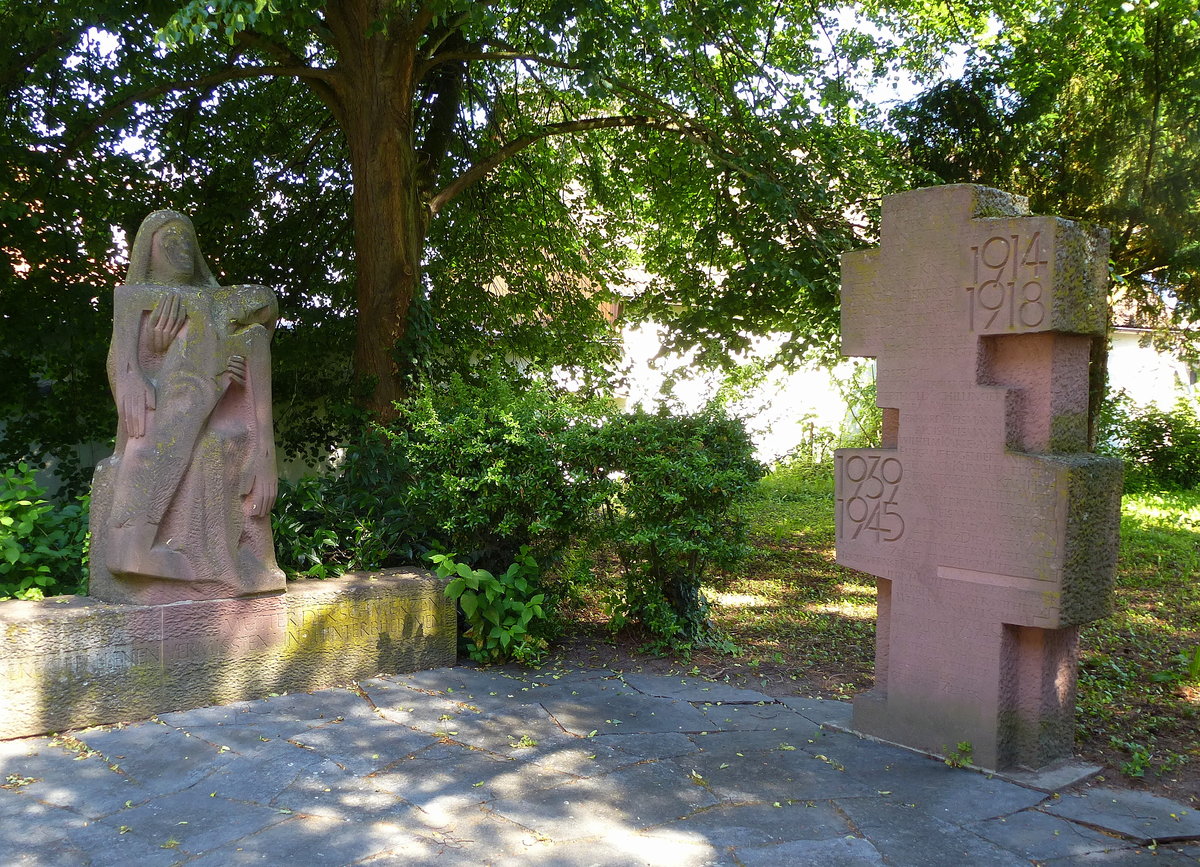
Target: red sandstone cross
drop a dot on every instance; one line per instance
(993, 532)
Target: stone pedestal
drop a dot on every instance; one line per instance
(993, 532)
(72, 661)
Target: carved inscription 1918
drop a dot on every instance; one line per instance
(991, 528)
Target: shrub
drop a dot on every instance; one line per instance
(506, 472)
(495, 466)
(673, 513)
(504, 615)
(314, 530)
(1161, 449)
(43, 547)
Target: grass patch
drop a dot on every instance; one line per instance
(790, 607)
(1139, 683)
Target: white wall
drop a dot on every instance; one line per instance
(1147, 375)
(779, 412)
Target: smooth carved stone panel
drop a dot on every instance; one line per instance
(74, 661)
(993, 531)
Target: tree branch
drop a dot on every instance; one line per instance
(468, 56)
(321, 84)
(233, 73)
(309, 149)
(445, 88)
(482, 168)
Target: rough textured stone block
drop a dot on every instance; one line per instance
(182, 509)
(992, 530)
(72, 661)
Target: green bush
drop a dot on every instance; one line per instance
(496, 465)
(676, 486)
(504, 614)
(43, 547)
(316, 532)
(507, 471)
(1161, 449)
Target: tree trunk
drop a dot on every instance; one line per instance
(389, 237)
(390, 217)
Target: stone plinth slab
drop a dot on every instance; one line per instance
(72, 661)
(992, 530)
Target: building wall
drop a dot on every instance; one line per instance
(1145, 374)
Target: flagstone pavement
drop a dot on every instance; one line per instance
(483, 766)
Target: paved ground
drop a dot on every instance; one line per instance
(461, 766)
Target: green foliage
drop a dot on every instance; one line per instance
(735, 153)
(494, 464)
(1133, 696)
(324, 525)
(504, 614)
(511, 470)
(1089, 109)
(864, 428)
(486, 465)
(42, 546)
(961, 756)
(1161, 449)
(673, 514)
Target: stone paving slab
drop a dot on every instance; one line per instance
(761, 824)
(154, 754)
(1138, 815)
(627, 800)
(464, 766)
(99, 845)
(692, 689)
(1041, 837)
(905, 834)
(953, 795)
(842, 852)
(193, 820)
(610, 709)
(86, 785)
(619, 849)
(738, 773)
(262, 775)
(364, 746)
(752, 717)
(818, 710)
(318, 841)
(649, 745)
(1142, 857)
(449, 777)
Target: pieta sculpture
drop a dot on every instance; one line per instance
(182, 509)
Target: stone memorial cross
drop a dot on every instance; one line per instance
(992, 530)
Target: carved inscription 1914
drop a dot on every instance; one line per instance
(992, 530)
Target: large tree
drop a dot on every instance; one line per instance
(468, 175)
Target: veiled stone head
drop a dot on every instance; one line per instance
(166, 252)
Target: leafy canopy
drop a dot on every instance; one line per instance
(723, 151)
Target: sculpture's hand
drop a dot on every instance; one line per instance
(166, 322)
(236, 368)
(235, 371)
(137, 400)
(263, 489)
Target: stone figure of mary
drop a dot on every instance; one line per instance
(182, 509)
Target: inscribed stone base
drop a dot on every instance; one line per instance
(73, 661)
